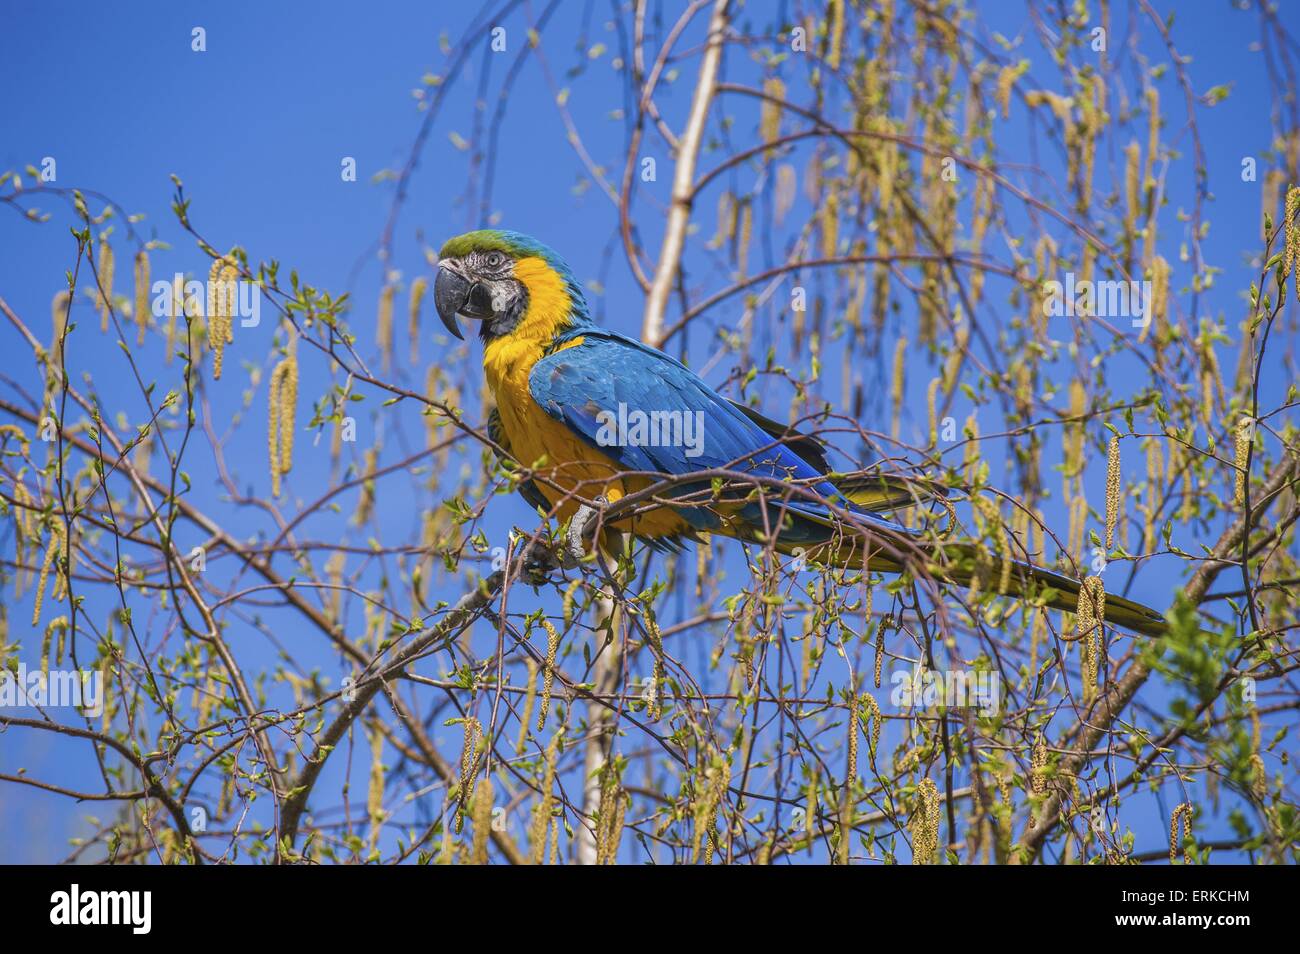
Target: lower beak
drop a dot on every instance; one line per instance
(454, 295)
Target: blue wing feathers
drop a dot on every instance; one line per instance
(576, 384)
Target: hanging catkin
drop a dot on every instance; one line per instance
(1244, 433)
(654, 707)
(886, 623)
(283, 408)
(542, 812)
(548, 672)
(470, 765)
(105, 269)
(1148, 178)
(770, 112)
(1158, 309)
(59, 317)
(1007, 77)
(924, 824)
(141, 295)
(176, 311)
(1112, 491)
(221, 307)
(1291, 262)
(851, 772)
(419, 288)
(835, 33)
(481, 813)
(898, 383)
(1038, 767)
(830, 224)
(1182, 811)
(609, 817)
(786, 188)
(1132, 187)
(1155, 483)
(1089, 619)
(744, 235)
(931, 393)
(526, 713)
(1090, 612)
(51, 552)
(1258, 772)
(384, 326)
(375, 790)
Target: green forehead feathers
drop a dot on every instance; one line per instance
(483, 240)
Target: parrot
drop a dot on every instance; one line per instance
(585, 410)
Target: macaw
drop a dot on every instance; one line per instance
(560, 384)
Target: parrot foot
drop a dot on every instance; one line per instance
(581, 532)
(540, 564)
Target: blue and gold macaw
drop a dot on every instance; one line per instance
(560, 381)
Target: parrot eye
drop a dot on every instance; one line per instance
(494, 260)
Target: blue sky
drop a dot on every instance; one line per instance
(258, 125)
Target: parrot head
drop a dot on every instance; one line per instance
(509, 282)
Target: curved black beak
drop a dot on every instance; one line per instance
(454, 294)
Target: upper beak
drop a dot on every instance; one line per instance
(453, 295)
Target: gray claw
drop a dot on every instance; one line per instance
(577, 536)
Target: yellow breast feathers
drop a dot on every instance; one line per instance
(533, 437)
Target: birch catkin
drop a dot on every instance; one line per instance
(1133, 188)
(1007, 77)
(141, 295)
(1089, 619)
(1074, 431)
(786, 187)
(770, 112)
(177, 311)
(898, 383)
(375, 790)
(1258, 772)
(1184, 812)
(1292, 256)
(481, 813)
(51, 551)
(886, 622)
(1159, 312)
(654, 707)
(924, 824)
(221, 306)
(931, 394)
(105, 269)
(851, 772)
(283, 409)
(59, 320)
(1091, 611)
(384, 326)
(542, 813)
(1244, 433)
(1112, 491)
(526, 714)
(835, 33)
(469, 766)
(1038, 768)
(419, 288)
(548, 672)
